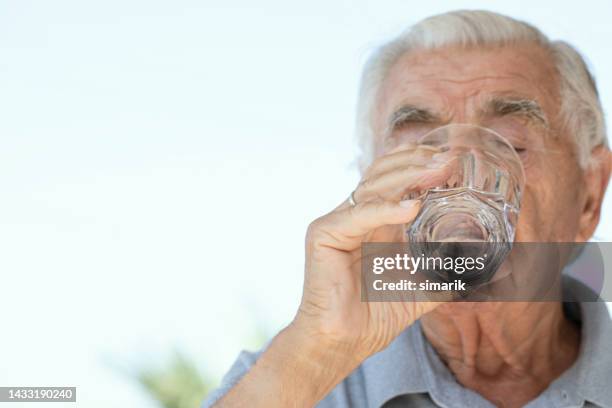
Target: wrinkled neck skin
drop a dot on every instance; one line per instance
(509, 352)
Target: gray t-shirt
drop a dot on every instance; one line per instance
(409, 372)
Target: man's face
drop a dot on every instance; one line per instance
(512, 90)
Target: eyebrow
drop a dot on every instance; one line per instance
(500, 106)
(410, 114)
(528, 108)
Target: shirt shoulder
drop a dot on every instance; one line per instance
(245, 360)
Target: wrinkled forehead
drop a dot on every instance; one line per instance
(457, 84)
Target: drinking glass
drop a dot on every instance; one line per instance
(475, 209)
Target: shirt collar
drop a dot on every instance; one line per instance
(409, 365)
(593, 368)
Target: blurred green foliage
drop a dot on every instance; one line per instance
(179, 385)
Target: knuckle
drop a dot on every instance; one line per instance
(367, 172)
(317, 231)
(375, 163)
(313, 229)
(355, 210)
(379, 206)
(365, 184)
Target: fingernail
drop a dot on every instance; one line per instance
(408, 203)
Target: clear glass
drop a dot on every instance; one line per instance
(478, 202)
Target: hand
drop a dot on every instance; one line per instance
(331, 309)
(333, 331)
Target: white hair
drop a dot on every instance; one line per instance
(580, 111)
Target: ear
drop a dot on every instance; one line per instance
(595, 180)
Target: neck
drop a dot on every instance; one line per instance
(499, 348)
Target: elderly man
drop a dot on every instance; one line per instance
(461, 67)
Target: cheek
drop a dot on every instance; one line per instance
(527, 140)
(549, 210)
(535, 219)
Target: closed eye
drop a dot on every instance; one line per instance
(521, 152)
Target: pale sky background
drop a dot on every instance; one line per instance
(160, 161)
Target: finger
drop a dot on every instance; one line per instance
(419, 155)
(394, 185)
(344, 229)
(402, 157)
